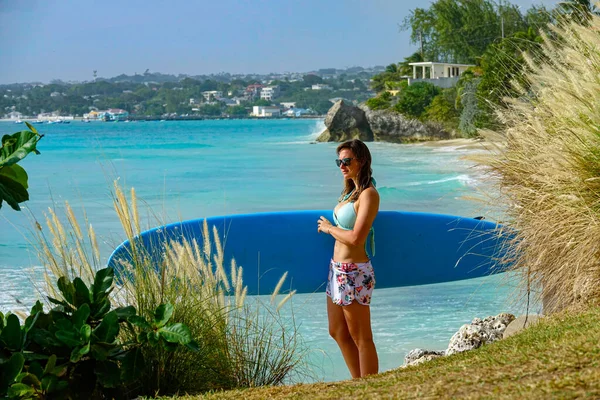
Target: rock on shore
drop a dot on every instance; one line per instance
(469, 337)
(345, 122)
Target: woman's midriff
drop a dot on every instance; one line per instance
(349, 254)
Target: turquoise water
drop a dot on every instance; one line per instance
(196, 169)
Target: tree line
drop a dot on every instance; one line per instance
(491, 35)
(173, 97)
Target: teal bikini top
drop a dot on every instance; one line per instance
(345, 218)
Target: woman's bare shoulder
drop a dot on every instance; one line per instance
(369, 193)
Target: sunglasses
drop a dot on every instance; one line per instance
(345, 161)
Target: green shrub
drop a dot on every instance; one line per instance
(414, 99)
(74, 351)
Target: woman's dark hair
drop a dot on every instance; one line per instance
(363, 156)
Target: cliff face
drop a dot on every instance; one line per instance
(345, 122)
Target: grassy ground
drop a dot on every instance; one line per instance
(557, 358)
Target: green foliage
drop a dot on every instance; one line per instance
(414, 99)
(443, 109)
(391, 74)
(74, 351)
(13, 178)
(381, 102)
(238, 111)
(461, 30)
(311, 79)
(504, 70)
(261, 102)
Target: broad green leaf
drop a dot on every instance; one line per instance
(99, 352)
(70, 338)
(67, 289)
(36, 369)
(82, 293)
(125, 312)
(140, 322)
(49, 383)
(108, 373)
(15, 173)
(11, 334)
(100, 309)
(11, 369)
(176, 333)
(133, 365)
(162, 314)
(19, 390)
(37, 307)
(81, 316)
(15, 147)
(79, 352)
(108, 329)
(1, 321)
(102, 282)
(44, 338)
(31, 380)
(50, 364)
(12, 192)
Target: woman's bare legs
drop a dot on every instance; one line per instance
(358, 319)
(350, 326)
(338, 329)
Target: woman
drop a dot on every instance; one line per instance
(351, 277)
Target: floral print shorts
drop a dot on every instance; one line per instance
(350, 281)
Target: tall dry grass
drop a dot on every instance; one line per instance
(546, 163)
(242, 344)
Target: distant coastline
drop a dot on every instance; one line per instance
(176, 118)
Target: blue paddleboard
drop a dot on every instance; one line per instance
(411, 248)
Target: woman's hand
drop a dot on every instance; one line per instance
(323, 225)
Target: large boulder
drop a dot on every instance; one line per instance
(345, 122)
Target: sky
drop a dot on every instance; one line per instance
(41, 40)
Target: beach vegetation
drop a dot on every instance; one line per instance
(73, 350)
(414, 99)
(13, 177)
(546, 167)
(235, 341)
(489, 35)
(381, 102)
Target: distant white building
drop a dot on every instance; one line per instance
(215, 94)
(269, 92)
(443, 75)
(14, 115)
(321, 86)
(266, 111)
(289, 104)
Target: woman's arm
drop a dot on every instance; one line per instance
(367, 211)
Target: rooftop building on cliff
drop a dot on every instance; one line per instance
(443, 75)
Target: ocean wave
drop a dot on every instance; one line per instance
(464, 179)
(316, 130)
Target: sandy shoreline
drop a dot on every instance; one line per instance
(459, 144)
